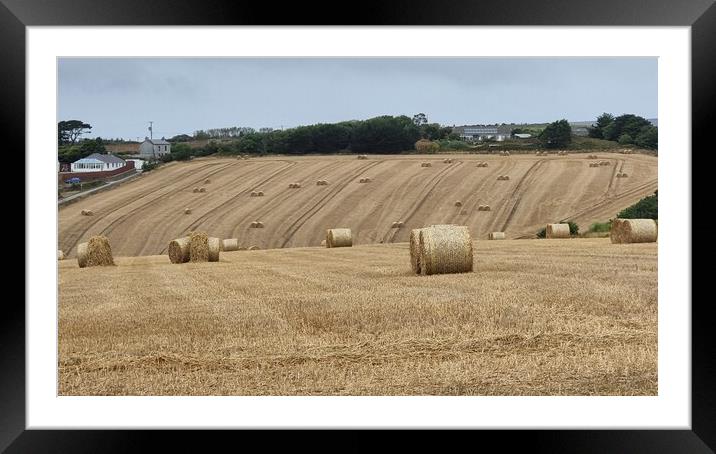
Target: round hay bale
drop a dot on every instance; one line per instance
(557, 231)
(259, 225)
(426, 164)
(447, 161)
(463, 212)
(496, 236)
(260, 194)
(95, 252)
(633, 231)
(187, 210)
(252, 225)
(415, 250)
(362, 156)
(60, 255)
(339, 238)
(207, 181)
(195, 190)
(445, 249)
(506, 177)
(394, 225)
(202, 189)
(486, 208)
(254, 194)
(254, 248)
(87, 213)
(214, 245)
(458, 203)
(625, 175)
(198, 247)
(179, 250)
(230, 244)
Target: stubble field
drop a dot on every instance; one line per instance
(537, 317)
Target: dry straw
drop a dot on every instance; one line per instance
(557, 231)
(426, 164)
(323, 242)
(196, 190)
(257, 225)
(605, 163)
(187, 210)
(458, 203)
(593, 164)
(483, 208)
(60, 255)
(207, 181)
(426, 146)
(230, 244)
(447, 161)
(253, 248)
(179, 250)
(445, 249)
(496, 236)
(396, 225)
(415, 250)
(339, 238)
(214, 245)
(95, 252)
(87, 213)
(321, 183)
(362, 156)
(364, 180)
(198, 247)
(633, 231)
(260, 194)
(254, 194)
(202, 189)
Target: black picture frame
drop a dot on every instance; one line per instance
(700, 15)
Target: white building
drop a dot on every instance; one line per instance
(97, 162)
(472, 133)
(154, 148)
(138, 163)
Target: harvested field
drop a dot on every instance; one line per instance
(141, 217)
(358, 321)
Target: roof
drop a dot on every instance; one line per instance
(107, 158)
(157, 141)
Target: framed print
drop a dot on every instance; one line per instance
(407, 217)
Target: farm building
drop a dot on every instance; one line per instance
(480, 132)
(97, 162)
(154, 148)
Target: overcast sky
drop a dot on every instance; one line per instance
(119, 96)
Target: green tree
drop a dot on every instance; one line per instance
(385, 134)
(420, 119)
(87, 147)
(625, 139)
(646, 208)
(597, 130)
(68, 131)
(648, 137)
(556, 135)
(430, 131)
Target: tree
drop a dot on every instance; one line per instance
(648, 137)
(625, 139)
(597, 130)
(556, 135)
(430, 131)
(420, 119)
(87, 147)
(646, 208)
(68, 131)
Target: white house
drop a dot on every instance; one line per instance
(97, 162)
(154, 148)
(138, 163)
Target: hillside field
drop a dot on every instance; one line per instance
(536, 317)
(142, 216)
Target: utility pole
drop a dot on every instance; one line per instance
(150, 130)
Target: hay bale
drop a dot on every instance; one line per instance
(179, 250)
(214, 245)
(633, 231)
(463, 212)
(593, 164)
(252, 225)
(486, 208)
(242, 248)
(207, 181)
(496, 236)
(339, 238)
(625, 175)
(260, 194)
(95, 252)
(426, 146)
(447, 161)
(60, 255)
(458, 203)
(364, 180)
(257, 225)
(445, 249)
(87, 213)
(557, 231)
(254, 194)
(198, 247)
(415, 250)
(321, 183)
(230, 244)
(426, 164)
(362, 156)
(294, 185)
(187, 210)
(195, 190)
(254, 248)
(323, 242)
(506, 177)
(202, 189)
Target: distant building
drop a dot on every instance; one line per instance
(138, 163)
(522, 136)
(97, 162)
(154, 148)
(482, 132)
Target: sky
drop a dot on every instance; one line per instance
(119, 96)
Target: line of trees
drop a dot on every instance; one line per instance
(627, 129)
(384, 134)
